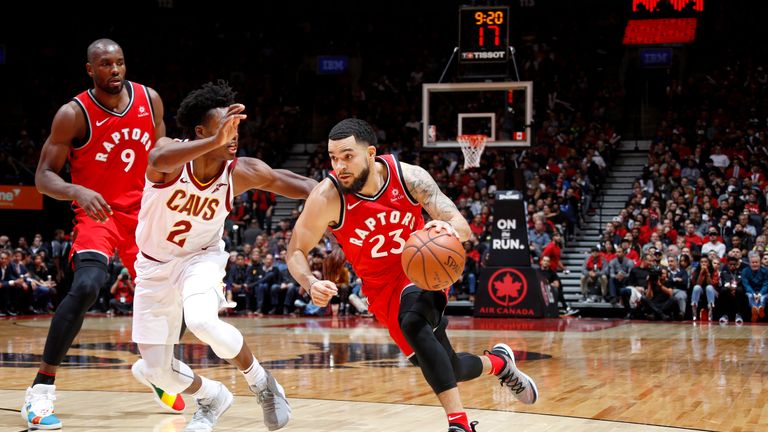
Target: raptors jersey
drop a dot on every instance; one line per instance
(372, 230)
(112, 159)
(184, 216)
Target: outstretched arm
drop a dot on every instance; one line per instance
(440, 208)
(321, 209)
(169, 156)
(251, 173)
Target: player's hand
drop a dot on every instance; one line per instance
(441, 226)
(93, 204)
(322, 291)
(228, 127)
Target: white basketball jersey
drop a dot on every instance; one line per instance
(184, 216)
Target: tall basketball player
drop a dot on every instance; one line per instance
(106, 133)
(373, 204)
(188, 195)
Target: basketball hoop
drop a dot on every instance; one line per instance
(472, 146)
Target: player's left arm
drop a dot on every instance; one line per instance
(425, 190)
(159, 109)
(252, 173)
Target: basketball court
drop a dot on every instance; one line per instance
(344, 374)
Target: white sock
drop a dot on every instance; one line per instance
(207, 390)
(255, 374)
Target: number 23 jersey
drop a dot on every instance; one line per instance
(184, 216)
(372, 230)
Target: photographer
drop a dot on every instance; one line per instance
(122, 293)
(656, 301)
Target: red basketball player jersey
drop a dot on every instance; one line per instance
(112, 159)
(372, 230)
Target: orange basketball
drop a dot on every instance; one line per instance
(433, 261)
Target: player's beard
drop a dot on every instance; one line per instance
(113, 91)
(358, 183)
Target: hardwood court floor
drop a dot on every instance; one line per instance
(345, 375)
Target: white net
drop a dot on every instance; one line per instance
(472, 146)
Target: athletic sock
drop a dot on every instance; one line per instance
(255, 374)
(497, 363)
(459, 419)
(44, 378)
(207, 390)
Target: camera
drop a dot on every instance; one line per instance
(124, 277)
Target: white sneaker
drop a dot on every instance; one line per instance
(724, 320)
(739, 320)
(167, 401)
(38, 409)
(277, 412)
(209, 410)
(520, 384)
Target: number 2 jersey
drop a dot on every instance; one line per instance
(112, 159)
(372, 230)
(184, 216)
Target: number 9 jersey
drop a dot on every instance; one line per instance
(112, 158)
(184, 216)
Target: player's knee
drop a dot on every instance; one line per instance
(411, 325)
(90, 275)
(201, 326)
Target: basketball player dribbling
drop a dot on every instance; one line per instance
(372, 205)
(106, 133)
(188, 195)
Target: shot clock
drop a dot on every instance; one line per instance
(484, 34)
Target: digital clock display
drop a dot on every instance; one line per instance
(483, 34)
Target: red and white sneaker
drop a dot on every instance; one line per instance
(520, 384)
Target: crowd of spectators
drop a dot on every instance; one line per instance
(691, 240)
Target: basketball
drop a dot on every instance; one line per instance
(432, 260)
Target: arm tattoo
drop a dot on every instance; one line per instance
(423, 187)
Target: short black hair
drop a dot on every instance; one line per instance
(196, 105)
(360, 129)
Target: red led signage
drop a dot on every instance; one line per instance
(660, 31)
(678, 5)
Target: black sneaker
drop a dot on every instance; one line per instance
(459, 428)
(520, 384)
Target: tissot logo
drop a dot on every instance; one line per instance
(507, 287)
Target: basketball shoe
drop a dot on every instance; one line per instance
(38, 408)
(520, 384)
(167, 401)
(209, 410)
(459, 428)
(273, 403)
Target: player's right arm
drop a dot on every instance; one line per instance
(169, 156)
(321, 209)
(68, 124)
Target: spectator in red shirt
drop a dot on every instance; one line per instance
(553, 251)
(122, 293)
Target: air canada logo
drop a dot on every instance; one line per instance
(507, 287)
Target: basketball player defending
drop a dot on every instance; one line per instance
(188, 195)
(107, 133)
(373, 204)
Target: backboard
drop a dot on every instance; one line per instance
(503, 111)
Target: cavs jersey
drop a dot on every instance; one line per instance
(112, 158)
(372, 230)
(184, 216)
